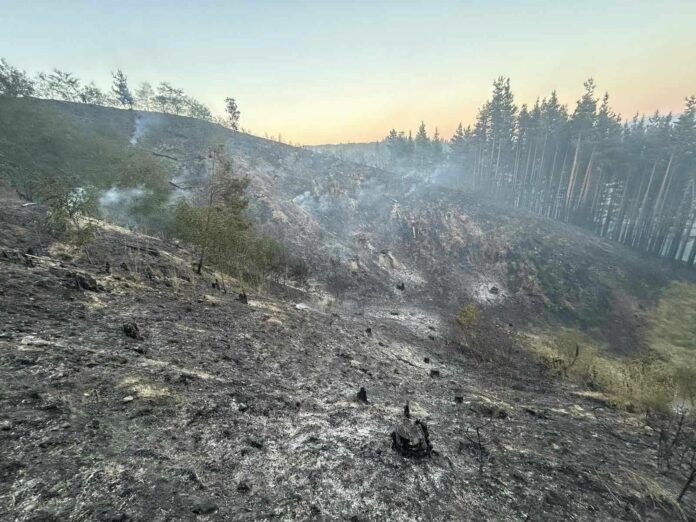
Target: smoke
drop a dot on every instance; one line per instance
(138, 130)
(117, 204)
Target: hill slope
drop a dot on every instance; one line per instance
(232, 411)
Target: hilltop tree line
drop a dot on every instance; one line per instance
(62, 85)
(632, 182)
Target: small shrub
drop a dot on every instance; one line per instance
(70, 211)
(468, 316)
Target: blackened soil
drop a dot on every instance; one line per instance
(232, 411)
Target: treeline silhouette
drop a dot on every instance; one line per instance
(632, 182)
(65, 86)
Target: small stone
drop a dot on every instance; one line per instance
(417, 411)
(243, 407)
(5, 425)
(368, 331)
(128, 398)
(458, 399)
(494, 290)
(401, 286)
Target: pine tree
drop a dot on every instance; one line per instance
(121, 90)
(422, 146)
(216, 226)
(436, 152)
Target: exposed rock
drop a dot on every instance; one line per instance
(416, 411)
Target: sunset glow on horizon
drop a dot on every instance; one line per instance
(328, 72)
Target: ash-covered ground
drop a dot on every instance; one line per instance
(219, 410)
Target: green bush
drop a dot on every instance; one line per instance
(70, 212)
(467, 316)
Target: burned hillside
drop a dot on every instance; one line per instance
(420, 352)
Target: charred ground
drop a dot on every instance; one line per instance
(234, 411)
(225, 410)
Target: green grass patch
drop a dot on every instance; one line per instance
(673, 324)
(649, 381)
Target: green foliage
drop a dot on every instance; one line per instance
(219, 228)
(573, 293)
(14, 82)
(467, 316)
(232, 111)
(673, 322)
(120, 89)
(141, 169)
(140, 193)
(645, 383)
(70, 211)
(59, 85)
(37, 142)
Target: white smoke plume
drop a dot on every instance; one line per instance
(138, 130)
(116, 204)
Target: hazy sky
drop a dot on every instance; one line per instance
(331, 71)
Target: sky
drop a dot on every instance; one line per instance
(348, 71)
